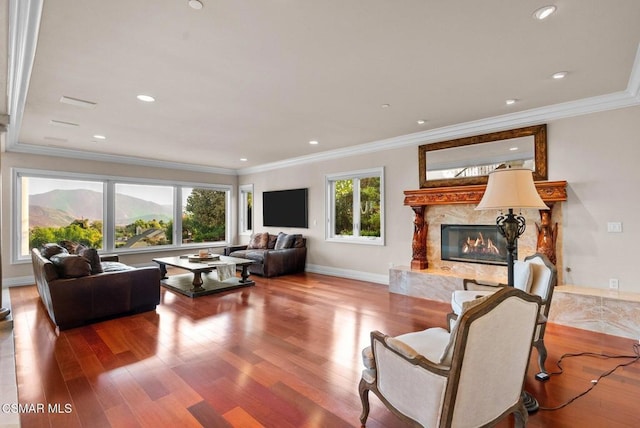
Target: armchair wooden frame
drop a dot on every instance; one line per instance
(458, 377)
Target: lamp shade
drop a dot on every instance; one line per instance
(511, 188)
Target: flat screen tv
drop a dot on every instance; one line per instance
(285, 208)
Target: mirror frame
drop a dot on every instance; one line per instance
(539, 133)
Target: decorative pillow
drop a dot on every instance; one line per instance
(91, 254)
(71, 265)
(299, 243)
(73, 247)
(50, 250)
(284, 241)
(522, 276)
(272, 241)
(258, 240)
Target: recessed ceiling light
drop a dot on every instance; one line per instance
(559, 75)
(146, 98)
(511, 101)
(513, 149)
(99, 137)
(77, 102)
(63, 124)
(243, 159)
(421, 122)
(385, 105)
(195, 4)
(544, 12)
(313, 142)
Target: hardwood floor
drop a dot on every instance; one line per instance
(285, 353)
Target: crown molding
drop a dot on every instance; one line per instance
(127, 160)
(498, 123)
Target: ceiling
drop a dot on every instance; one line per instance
(259, 79)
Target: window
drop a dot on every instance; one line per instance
(111, 214)
(245, 219)
(144, 215)
(355, 207)
(204, 215)
(56, 209)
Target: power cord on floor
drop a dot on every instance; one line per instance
(594, 382)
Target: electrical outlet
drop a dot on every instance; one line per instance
(613, 284)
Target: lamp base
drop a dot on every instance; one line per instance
(530, 403)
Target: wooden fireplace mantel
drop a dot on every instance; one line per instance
(419, 200)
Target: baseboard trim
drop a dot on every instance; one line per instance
(348, 273)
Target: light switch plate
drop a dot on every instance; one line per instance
(614, 227)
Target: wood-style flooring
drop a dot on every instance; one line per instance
(284, 353)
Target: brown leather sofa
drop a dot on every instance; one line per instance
(74, 297)
(273, 255)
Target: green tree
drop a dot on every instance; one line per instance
(205, 215)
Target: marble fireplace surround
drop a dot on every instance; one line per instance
(604, 311)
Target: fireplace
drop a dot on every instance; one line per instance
(473, 243)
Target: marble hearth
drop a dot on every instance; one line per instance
(602, 311)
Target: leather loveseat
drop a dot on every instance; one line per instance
(78, 289)
(273, 255)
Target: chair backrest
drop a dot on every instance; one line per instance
(490, 358)
(545, 277)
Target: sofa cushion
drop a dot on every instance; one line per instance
(258, 240)
(91, 254)
(251, 254)
(71, 265)
(284, 241)
(49, 250)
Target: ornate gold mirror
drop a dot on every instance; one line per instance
(469, 160)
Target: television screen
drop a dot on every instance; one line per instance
(285, 208)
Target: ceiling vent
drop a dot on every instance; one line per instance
(63, 124)
(77, 102)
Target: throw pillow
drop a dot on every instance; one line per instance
(73, 247)
(258, 240)
(91, 254)
(284, 241)
(299, 242)
(71, 265)
(50, 250)
(272, 241)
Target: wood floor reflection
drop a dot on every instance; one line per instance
(285, 353)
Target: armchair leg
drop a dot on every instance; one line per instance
(521, 415)
(542, 357)
(364, 398)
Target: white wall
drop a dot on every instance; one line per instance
(596, 154)
(599, 156)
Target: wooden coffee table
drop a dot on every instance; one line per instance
(202, 280)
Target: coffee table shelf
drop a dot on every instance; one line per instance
(202, 280)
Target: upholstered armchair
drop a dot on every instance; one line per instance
(535, 275)
(471, 376)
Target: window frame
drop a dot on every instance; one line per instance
(330, 180)
(108, 220)
(243, 220)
